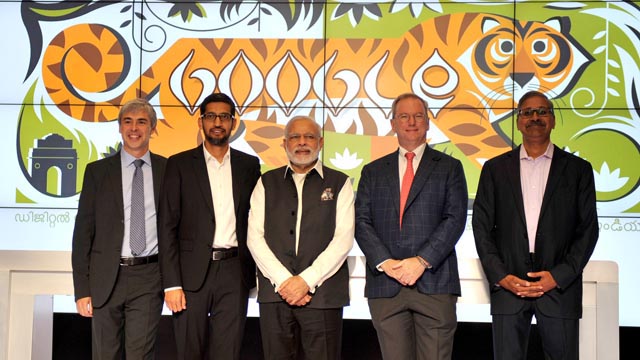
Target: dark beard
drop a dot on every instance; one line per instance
(217, 141)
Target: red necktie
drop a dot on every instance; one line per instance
(407, 179)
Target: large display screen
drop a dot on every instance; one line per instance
(68, 66)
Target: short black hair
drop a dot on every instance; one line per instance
(218, 97)
(531, 94)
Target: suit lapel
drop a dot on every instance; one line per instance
(114, 175)
(392, 176)
(513, 173)
(427, 164)
(157, 172)
(558, 163)
(237, 170)
(202, 176)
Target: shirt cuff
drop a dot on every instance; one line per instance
(306, 275)
(424, 262)
(379, 266)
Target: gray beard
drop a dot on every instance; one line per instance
(292, 158)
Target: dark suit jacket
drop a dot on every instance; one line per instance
(566, 236)
(187, 220)
(99, 228)
(434, 218)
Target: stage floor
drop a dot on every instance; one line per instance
(72, 340)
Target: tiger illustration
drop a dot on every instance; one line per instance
(470, 67)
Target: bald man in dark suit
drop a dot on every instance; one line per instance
(535, 225)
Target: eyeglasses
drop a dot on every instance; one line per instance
(541, 111)
(419, 117)
(211, 116)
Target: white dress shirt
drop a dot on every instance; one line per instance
(402, 160)
(220, 181)
(221, 185)
(151, 225)
(328, 262)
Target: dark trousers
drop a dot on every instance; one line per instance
(560, 337)
(212, 326)
(412, 325)
(128, 322)
(293, 332)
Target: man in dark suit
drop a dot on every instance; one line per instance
(114, 256)
(535, 226)
(409, 241)
(207, 269)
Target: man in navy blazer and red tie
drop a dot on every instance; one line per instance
(535, 225)
(411, 209)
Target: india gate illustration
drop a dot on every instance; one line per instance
(54, 160)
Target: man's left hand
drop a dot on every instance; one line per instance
(547, 282)
(295, 291)
(411, 270)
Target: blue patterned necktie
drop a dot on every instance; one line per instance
(137, 236)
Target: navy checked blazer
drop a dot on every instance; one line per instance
(434, 218)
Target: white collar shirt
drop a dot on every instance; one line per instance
(151, 225)
(221, 184)
(402, 160)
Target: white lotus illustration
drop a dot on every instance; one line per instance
(607, 180)
(416, 8)
(346, 160)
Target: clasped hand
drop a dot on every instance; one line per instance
(530, 289)
(406, 271)
(295, 291)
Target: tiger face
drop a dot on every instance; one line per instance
(514, 57)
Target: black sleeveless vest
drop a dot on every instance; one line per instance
(317, 227)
